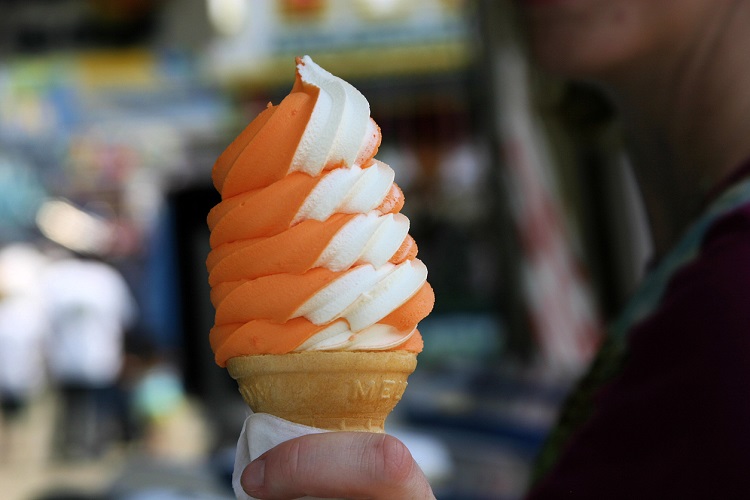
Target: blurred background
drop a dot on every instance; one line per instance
(112, 113)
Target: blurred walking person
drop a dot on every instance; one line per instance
(90, 307)
(23, 329)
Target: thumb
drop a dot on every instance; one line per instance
(337, 465)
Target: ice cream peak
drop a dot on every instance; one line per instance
(324, 123)
(309, 248)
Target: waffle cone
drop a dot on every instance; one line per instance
(343, 390)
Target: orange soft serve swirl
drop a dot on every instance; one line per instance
(309, 248)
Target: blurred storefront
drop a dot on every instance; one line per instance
(113, 112)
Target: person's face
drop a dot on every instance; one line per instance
(599, 39)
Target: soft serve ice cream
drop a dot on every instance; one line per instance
(309, 249)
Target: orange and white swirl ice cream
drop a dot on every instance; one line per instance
(309, 249)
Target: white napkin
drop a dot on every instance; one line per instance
(260, 433)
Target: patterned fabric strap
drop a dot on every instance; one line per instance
(611, 356)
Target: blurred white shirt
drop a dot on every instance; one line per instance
(22, 331)
(89, 306)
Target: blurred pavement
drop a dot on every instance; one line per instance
(27, 471)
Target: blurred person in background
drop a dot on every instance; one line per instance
(90, 307)
(23, 330)
(664, 410)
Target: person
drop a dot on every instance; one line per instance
(23, 331)
(663, 412)
(89, 306)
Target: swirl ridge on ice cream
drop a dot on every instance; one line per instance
(309, 250)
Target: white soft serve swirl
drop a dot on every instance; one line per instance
(339, 129)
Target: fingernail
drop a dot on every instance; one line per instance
(253, 478)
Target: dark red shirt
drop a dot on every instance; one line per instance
(675, 423)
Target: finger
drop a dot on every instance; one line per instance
(337, 465)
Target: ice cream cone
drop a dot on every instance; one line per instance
(342, 390)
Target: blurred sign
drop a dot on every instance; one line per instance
(111, 126)
(361, 37)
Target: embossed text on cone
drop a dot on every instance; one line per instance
(343, 390)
